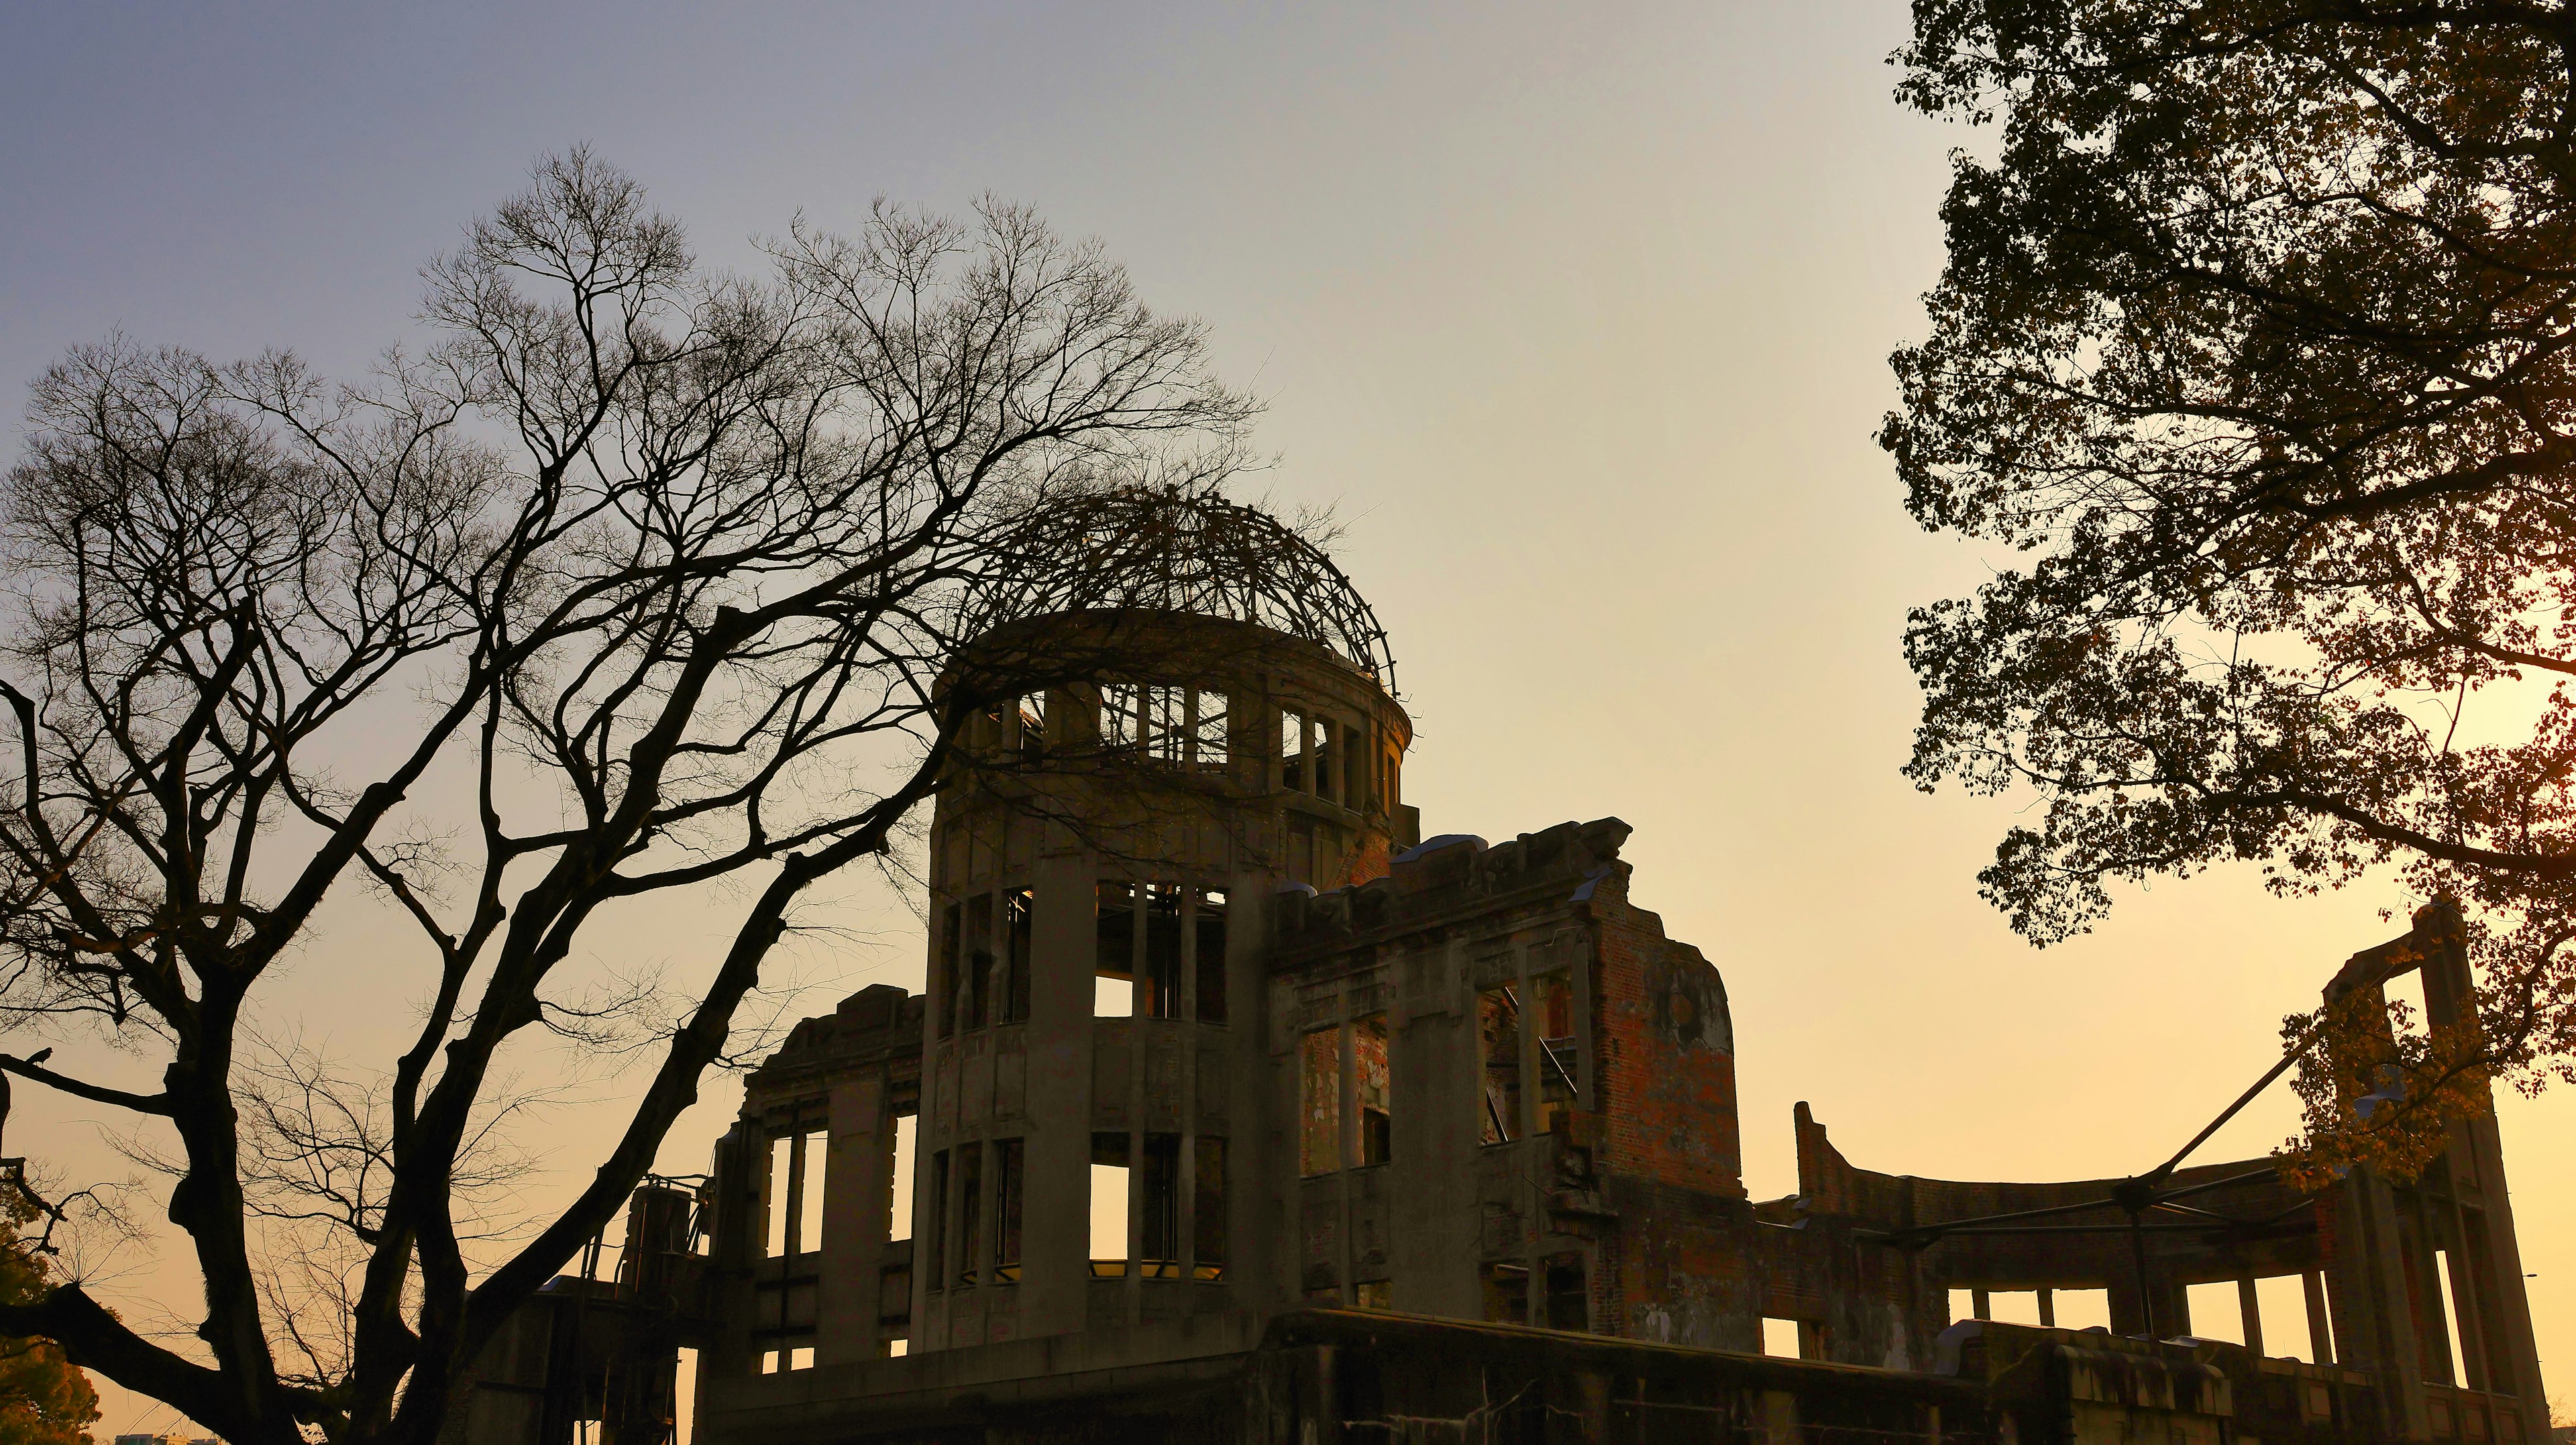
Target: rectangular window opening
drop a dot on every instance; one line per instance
(1370, 1078)
(1780, 1337)
(1108, 1205)
(684, 1396)
(1498, 1033)
(1373, 1294)
(934, 1259)
(2014, 1306)
(951, 938)
(979, 961)
(1207, 1210)
(1292, 751)
(1355, 756)
(2450, 1318)
(1113, 993)
(1319, 1103)
(907, 1129)
(781, 1207)
(1121, 716)
(1167, 723)
(2213, 1313)
(813, 1148)
(1019, 922)
(1386, 780)
(1209, 943)
(1558, 1058)
(1010, 1172)
(1033, 731)
(2080, 1309)
(1569, 1297)
(1506, 1292)
(1159, 1243)
(1327, 762)
(1160, 988)
(970, 1212)
(1209, 745)
(2282, 1301)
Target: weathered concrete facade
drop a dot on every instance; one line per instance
(1236, 1111)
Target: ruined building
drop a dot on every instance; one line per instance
(1237, 1111)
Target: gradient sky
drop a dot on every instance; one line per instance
(1577, 315)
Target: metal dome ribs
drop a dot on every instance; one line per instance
(1180, 550)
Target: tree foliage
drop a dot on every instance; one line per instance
(44, 1398)
(2253, 350)
(638, 577)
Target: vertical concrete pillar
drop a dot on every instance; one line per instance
(857, 1171)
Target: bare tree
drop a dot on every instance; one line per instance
(668, 562)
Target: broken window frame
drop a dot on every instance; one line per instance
(1157, 1182)
(1568, 1308)
(1560, 1056)
(1158, 980)
(1019, 927)
(1498, 1050)
(1010, 1185)
(1372, 1078)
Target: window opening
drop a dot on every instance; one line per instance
(1319, 1100)
(2450, 1338)
(1292, 751)
(1019, 921)
(952, 927)
(970, 1212)
(1161, 985)
(2080, 1309)
(1210, 945)
(1033, 734)
(1159, 1247)
(1327, 757)
(1369, 1076)
(1569, 1300)
(782, 1167)
(1373, 1294)
(1507, 1292)
(936, 1256)
(1121, 715)
(1386, 781)
(1355, 757)
(1780, 1337)
(1108, 1206)
(979, 961)
(992, 726)
(1558, 1058)
(1498, 1032)
(1167, 723)
(1207, 726)
(1207, 1209)
(907, 1130)
(813, 1148)
(1114, 983)
(1010, 1172)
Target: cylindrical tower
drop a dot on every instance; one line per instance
(1208, 723)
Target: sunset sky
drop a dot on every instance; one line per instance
(1578, 318)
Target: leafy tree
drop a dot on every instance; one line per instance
(2254, 349)
(44, 1398)
(638, 577)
